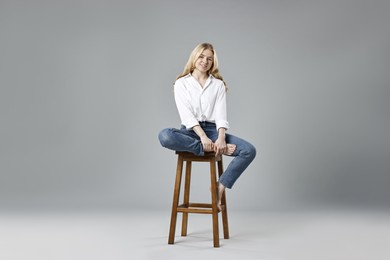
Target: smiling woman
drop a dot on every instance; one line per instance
(204, 59)
(200, 95)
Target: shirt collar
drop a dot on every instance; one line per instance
(189, 75)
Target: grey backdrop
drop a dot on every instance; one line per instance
(87, 85)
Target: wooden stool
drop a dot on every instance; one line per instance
(201, 208)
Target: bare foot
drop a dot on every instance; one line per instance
(230, 149)
(220, 191)
(208, 150)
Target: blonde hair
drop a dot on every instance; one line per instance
(196, 52)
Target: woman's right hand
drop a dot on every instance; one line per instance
(208, 145)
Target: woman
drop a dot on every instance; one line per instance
(200, 96)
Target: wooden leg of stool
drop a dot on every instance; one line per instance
(214, 198)
(175, 202)
(223, 202)
(186, 200)
(225, 218)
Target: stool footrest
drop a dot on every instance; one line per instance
(201, 208)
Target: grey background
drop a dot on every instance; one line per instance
(87, 85)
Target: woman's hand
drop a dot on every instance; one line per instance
(208, 145)
(220, 146)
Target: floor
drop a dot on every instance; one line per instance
(121, 234)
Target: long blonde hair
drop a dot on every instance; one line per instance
(190, 66)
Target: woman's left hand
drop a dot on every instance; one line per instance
(220, 146)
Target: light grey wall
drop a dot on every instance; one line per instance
(87, 85)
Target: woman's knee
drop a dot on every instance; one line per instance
(253, 151)
(250, 151)
(165, 137)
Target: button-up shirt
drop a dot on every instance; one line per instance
(196, 104)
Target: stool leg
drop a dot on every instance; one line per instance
(214, 198)
(223, 201)
(175, 202)
(186, 200)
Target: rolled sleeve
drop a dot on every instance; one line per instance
(190, 123)
(183, 105)
(222, 123)
(220, 109)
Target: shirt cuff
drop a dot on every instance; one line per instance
(222, 123)
(190, 123)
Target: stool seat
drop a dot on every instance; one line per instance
(199, 158)
(194, 207)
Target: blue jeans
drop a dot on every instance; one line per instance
(185, 140)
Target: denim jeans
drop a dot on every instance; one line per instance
(185, 140)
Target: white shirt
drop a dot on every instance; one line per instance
(196, 104)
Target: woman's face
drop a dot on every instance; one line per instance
(205, 61)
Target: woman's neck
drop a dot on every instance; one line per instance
(199, 76)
